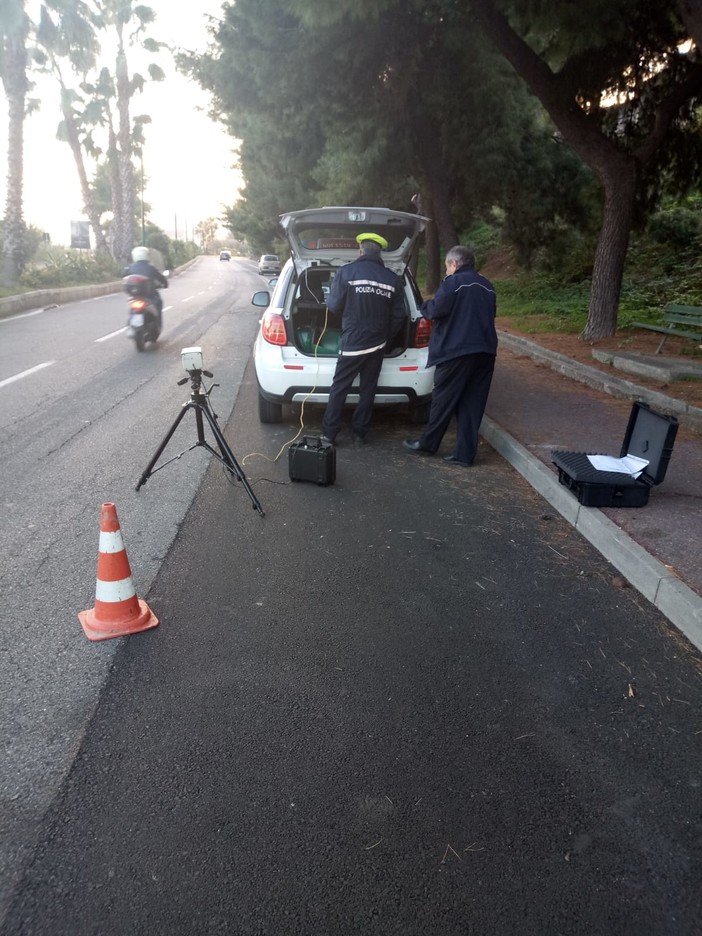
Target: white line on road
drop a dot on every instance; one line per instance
(188, 299)
(26, 373)
(12, 318)
(112, 334)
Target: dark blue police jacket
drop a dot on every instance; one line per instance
(463, 313)
(372, 302)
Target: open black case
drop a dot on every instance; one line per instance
(649, 435)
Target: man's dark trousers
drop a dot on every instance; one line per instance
(347, 367)
(461, 386)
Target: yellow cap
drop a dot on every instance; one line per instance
(374, 237)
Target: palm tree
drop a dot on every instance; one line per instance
(14, 31)
(127, 21)
(66, 33)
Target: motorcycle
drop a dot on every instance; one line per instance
(144, 322)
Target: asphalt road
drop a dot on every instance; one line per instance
(414, 702)
(82, 413)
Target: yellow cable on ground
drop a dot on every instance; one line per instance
(302, 405)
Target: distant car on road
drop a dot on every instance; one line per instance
(225, 255)
(269, 263)
(297, 346)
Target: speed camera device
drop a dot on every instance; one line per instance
(192, 359)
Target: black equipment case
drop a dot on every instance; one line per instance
(649, 435)
(311, 459)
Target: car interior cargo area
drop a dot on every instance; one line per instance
(315, 329)
(605, 481)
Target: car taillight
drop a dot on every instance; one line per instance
(421, 335)
(138, 305)
(273, 328)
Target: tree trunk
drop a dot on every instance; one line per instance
(126, 169)
(431, 243)
(116, 190)
(433, 252)
(101, 244)
(429, 150)
(610, 256)
(15, 84)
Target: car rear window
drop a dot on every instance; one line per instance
(269, 257)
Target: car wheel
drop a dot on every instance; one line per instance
(419, 413)
(269, 412)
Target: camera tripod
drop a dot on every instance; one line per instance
(200, 402)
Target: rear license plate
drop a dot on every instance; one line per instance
(136, 319)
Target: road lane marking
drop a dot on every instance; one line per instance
(112, 334)
(188, 299)
(26, 373)
(12, 318)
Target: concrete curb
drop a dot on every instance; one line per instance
(599, 380)
(43, 298)
(679, 603)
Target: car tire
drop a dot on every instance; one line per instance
(419, 413)
(269, 412)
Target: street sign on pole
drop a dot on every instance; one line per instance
(80, 235)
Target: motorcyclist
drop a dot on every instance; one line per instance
(141, 266)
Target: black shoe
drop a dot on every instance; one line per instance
(452, 460)
(359, 440)
(416, 447)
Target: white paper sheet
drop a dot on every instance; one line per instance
(630, 464)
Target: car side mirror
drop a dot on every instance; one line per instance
(262, 299)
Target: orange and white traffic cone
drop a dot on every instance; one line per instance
(117, 612)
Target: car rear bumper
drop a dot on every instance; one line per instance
(285, 375)
(383, 396)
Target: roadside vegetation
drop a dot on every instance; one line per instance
(550, 294)
(567, 125)
(563, 136)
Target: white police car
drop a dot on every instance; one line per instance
(297, 344)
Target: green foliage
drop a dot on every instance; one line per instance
(679, 226)
(31, 239)
(656, 273)
(540, 302)
(180, 252)
(329, 112)
(53, 267)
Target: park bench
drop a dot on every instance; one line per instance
(677, 320)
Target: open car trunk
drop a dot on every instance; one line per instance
(317, 331)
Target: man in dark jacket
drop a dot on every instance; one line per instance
(141, 266)
(462, 347)
(372, 302)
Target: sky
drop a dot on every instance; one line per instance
(188, 159)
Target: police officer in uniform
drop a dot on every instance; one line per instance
(371, 300)
(462, 347)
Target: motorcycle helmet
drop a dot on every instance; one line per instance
(140, 253)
